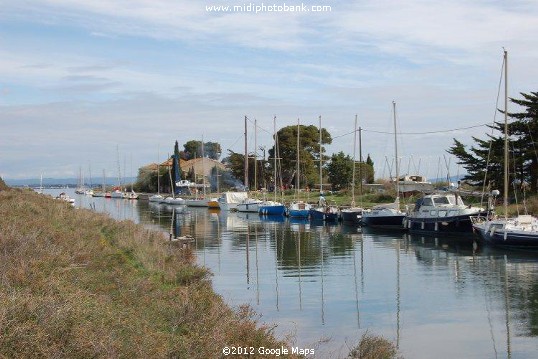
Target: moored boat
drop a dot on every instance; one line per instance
(213, 203)
(517, 232)
(352, 215)
(156, 198)
(228, 201)
(174, 201)
(299, 209)
(442, 212)
(249, 205)
(65, 197)
(271, 208)
(387, 216)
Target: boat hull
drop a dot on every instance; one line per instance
(252, 207)
(507, 238)
(298, 213)
(317, 214)
(351, 216)
(197, 202)
(388, 221)
(445, 225)
(276, 210)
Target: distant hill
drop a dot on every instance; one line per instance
(71, 182)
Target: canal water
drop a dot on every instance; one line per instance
(324, 286)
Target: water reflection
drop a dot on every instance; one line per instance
(432, 296)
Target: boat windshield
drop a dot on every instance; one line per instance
(447, 199)
(441, 200)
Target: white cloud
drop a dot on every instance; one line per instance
(161, 70)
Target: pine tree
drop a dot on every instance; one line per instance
(489, 154)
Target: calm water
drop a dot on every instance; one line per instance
(327, 285)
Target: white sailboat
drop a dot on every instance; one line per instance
(198, 201)
(298, 208)
(389, 215)
(157, 197)
(173, 200)
(520, 231)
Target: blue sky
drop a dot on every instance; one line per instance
(78, 79)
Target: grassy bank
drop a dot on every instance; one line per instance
(74, 283)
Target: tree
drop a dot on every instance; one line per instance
(525, 131)
(340, 170)
(369, 174)
(308, 152)
(193, 149)
(176, 169)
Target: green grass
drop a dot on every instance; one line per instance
(74, 283)
(77, 284)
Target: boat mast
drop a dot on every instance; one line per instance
(297, 165)
(255, 155)
(274, 154)
(396, 157)
(203, 166)
(158, 172)
(320, 160)
(354, 155)
(360, 163)
(505, 133)
(246, 157)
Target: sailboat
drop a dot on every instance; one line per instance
(157, 197)
(40, 190)
(173, 200)
(298, 209)
(353, 214)
(520, 231)
(200, 201)
(387, 216)
(81, 188)
(117, 191)
(273, 207)
(323, 212)
(103, 192)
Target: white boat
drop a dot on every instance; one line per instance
(102, 193)
(65, 197)
(387, 216)
(228, 201)
(298, 208)
(116, 194)
(249, 205)
(518, 232)
(172, 200)
(156, 198)
(130, 195)
(197, 202)
(442, 212)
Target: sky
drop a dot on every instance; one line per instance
(94, 84)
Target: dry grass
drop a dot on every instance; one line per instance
(3, 186)
(74, 283)
(374, 347)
